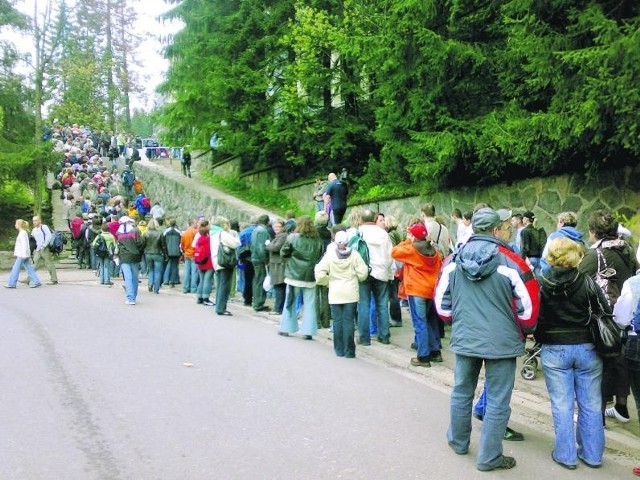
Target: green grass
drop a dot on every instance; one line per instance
(268, 199)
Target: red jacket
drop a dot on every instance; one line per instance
(202, 255)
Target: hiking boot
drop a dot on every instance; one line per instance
(436, 357)
(420, 362)
(505, 464)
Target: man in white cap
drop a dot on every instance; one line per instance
(491, 298)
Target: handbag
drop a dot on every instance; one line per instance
(606, 335)
(226, 256)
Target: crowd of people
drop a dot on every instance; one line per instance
(496, 277)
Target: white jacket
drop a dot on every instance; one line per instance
(341, 275)
(380, 247)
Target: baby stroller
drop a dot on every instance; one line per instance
(530, 363)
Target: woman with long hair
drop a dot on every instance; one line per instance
(22, 252)
(302, 251)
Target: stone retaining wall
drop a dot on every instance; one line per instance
(618, 191)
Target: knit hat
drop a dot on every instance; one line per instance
(341, 238)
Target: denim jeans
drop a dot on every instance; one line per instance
(427, 334)
(205, 285)
(154, 270)
(223, 289)
(344, 323)
(279, 291)
(130, 274)
(105, 267)
(380, 291)
(573, 373)
(15, 272)
(191, 277)
(259, 295)
(289, 319)
(500, 377)
(173, 274)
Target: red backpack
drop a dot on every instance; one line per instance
(76, 227)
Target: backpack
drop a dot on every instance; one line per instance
(146, 203)
(605, 278)
(57, 243)
(358, 244)
(101, 248)
(76, 227)
(128, 178)
(32, 244)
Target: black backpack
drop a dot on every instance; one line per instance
(57, 243)
(32, 244)
(101, 248)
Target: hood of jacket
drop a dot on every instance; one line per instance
(560, 281)
(571, 233)
(479, 257)
(424, 248)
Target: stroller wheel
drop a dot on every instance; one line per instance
(533, 362)
(528, 372)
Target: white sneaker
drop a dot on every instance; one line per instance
(611, 412)
(129, 302)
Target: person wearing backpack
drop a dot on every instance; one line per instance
(43, 236)
(532, 241)
(155, 253)
(127, 181)
(104, 246)
(610, 261)
(22, 253)
(378, 248)
(129, 243)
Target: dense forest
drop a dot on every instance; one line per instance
(430, 93)
(425, 93)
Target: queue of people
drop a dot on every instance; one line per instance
(498, 280)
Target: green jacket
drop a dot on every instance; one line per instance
(302, 254)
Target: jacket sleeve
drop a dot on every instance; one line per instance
(526, 291)
(362, 271)
(287, 248)
(442, 299)
(229, 240)
(623, 309)
(321, 271)
(277, 243)
(589, 263)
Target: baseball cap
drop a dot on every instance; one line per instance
(488, 218)
(418, 230)
(529, 214)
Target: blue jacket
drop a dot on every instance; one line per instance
(569, 232)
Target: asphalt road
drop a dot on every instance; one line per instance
(93, 389)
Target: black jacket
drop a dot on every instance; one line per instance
(564, 307)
